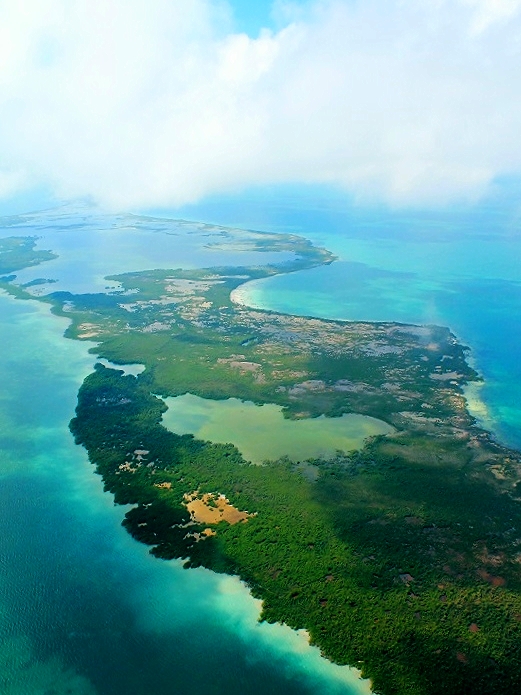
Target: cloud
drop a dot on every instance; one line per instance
(146, 104)
(490, 12)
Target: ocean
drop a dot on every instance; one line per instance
(458, 267)
(84, 609)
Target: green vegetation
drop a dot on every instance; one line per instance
(19, 252)
(374, 559)
(184, 327)
(402, 558)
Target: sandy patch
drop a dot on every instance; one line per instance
(212, 509)
(88, 330)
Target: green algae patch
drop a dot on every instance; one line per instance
(262, 432)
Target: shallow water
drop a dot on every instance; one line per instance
(262, 432)
(84, 609)
(90, 245)
(458, 268)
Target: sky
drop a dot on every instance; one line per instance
(150, 103)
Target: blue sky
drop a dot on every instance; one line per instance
(138, 104)
(252, 15)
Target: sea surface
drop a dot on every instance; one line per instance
(458, 267)
(84, 609)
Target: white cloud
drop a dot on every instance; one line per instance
(138, 103)
(10, 183)
(490, 12)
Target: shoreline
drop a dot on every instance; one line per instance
(102, 409)
(477, 407)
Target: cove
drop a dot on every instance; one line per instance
(262, 432)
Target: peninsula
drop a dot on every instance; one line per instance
(402, 558)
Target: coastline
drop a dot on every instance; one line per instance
(240, 295)
(477, 406)
(419, 430)
(159, 608)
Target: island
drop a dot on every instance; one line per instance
(401, 557)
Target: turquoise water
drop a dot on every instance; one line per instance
(459, 268)
(84, 609)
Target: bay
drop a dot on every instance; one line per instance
(457, 267)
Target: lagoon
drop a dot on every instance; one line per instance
(261, 432)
